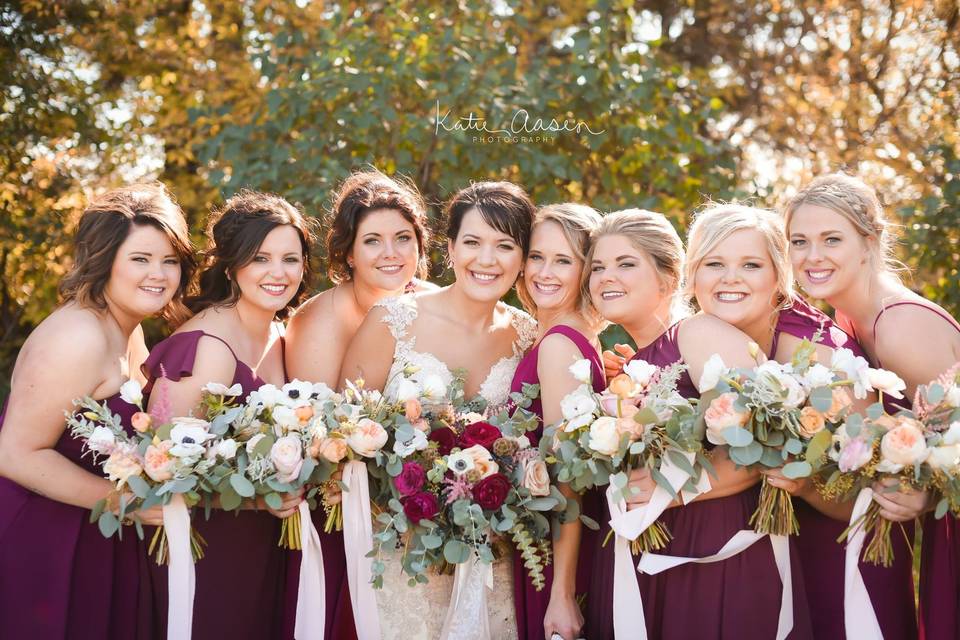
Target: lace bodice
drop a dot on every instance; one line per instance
(495, 389)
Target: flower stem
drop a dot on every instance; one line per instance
(774, 514)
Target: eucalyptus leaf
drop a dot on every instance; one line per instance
(242, 486)
(798, 469)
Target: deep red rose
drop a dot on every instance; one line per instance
(445, 439)
(420, 506)
(481, 433)
(490, 492)
(411, 479)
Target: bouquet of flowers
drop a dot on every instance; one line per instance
(165, 456)
(282, 440)
(450, 480)
(638, 421)
(918, 448)
(777, 415)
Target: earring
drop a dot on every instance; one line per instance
(350, 263)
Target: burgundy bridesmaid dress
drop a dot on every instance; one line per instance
(530, 604)
(732, 599)
(240, 580)
(890, 589)
(59, 577)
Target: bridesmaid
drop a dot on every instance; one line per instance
(258, 255)
(59, 577)
(567, 331)
(841, 247)
(377, 243)
(636, 267)
(738, 270)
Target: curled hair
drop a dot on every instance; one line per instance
(234, 235)
(103, 227)
(577, 221)
(652, 234)
(503, 205)
(718, 221)
(361, 193)
(856, 201)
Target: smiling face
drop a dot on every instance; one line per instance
(271, 279)
(827, 253)
(145, 273)
(486, 261)
(736, 281)
(552, 271)
(385, 252)
(624, 282)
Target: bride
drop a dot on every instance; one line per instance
(462, 326)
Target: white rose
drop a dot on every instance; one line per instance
(640, 371)
(904, 445)
(854, 368)
(252, 443)
(523, 442)
(367, 437)
(887, 382)
(947, 457)
(227, 449)
(287, 457)
(712, 371)
(817, 376)
(952, 434)
(286, 418)
(952, 396)
(795, 393)
(582, 371)
(217, 389)
(407, 390)
(576, 404)
(604, 436)
(416, 443)
(131, 392)
(433, 387)
(189, 436)
(101, 440)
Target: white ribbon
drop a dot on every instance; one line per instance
(652, 563)
(467, 617)
(628, 618)
(357, 543)
(859, 618)
(311, 594)
(181, 573)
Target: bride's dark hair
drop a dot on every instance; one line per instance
(504, 206)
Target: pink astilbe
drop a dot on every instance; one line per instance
(922, 408)
(457, 487)
(524, 456)
(161, 412)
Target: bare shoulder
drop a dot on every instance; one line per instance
(557, 350)
(424, 285)
(923, 325)
(788, 344)
(701, 336)
(69, 332)
(317, 317)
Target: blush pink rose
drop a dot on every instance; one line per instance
(158, 463)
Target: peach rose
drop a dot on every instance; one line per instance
(412, 409)
(331, 449)
(811, 422)
(482, 460)
(904, 444)
(626, 423)
(841, 402)
(367, 437)
(723, 413)
(622, 386)
(123, 464)
(158, 463)
(141, 421)
(536, 478)
(304, 413)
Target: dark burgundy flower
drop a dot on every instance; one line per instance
(411, 479)
(420, 506)
(445, 439)
(490, 492)
(481, 433)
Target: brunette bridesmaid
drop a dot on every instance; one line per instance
(567, 331)
(636, 270)
(377, 247)
(258, 255)
(59, 577)
(841, 247)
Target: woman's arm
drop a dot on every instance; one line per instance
(370, 353)
(315, 344)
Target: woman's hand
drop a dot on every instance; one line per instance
(332, 494)
(899, 506)
(152, 516)
(642, 485)
(563, 618)
(288, 505)
(799, 487)
(613, 361)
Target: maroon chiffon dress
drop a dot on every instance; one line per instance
(890, 589)
(732, 599)
(530, 604)
(240, 580)
(59, 577)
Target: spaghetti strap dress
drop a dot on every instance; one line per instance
(530, 604)
(59, 577)
(240, 580)
(728, 600)
(890, 589)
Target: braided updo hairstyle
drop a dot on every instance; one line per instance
(234, 235)
(856, 201)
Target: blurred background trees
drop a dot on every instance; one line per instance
(726, 99)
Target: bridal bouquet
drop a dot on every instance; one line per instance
(166, 456)
(450, 481)
(638, 421)
(283, 439)
(918, 448)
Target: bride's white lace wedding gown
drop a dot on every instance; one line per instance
(418, 612)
